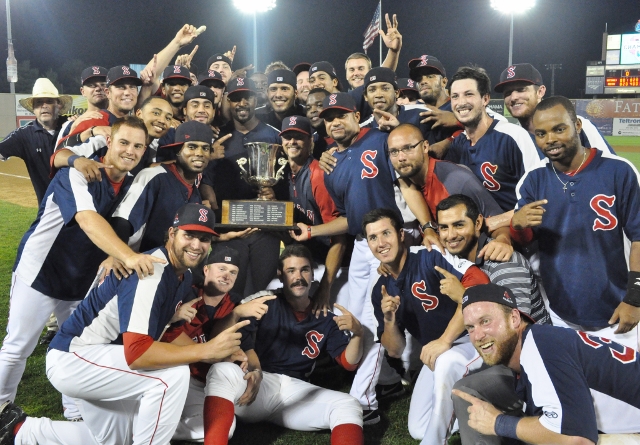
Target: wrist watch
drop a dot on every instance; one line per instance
(429, 225)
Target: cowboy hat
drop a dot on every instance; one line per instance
(44, 88)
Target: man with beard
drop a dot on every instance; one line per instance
(129, 385)
(61, 252)
(258, 250)
(582, 202)
(281, 93)
(282, 348)
(199, 104)
(321, 140)
(145, 213)
(575, 385)
(522, 88)
(411, 297)
(303, 87)
(497, 152)
(175, 81)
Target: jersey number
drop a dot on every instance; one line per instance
(370, 170)
(419, 290)
(606, 220)
(312, 350)
(488, 170)
(627, 355)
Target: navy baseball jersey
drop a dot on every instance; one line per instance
(269, 117)
(151, 204)
(286, 345)
(582, 236)
(321, 144)
(579, 384)
(423, 310)
(499, 159)
(407, 114)
(128, 305)
(441, 133)
(590, 136)
(224, 174)
(363, 178)
(55, 256)
(362, 105)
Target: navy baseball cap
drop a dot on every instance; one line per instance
(282, 76)
(238, 84)
(492, 293)
(224, 254)
(198, 92)
(380, 74)
(195, 217)
(211, 78)
(218, 58)
(191, 131)
(323, 66)
(99, 73)
(302, 66)
(121, 72)
(176, 72)
(338, 101)
(406, 84)
(520, 72)
(425, 65)
(296, 123)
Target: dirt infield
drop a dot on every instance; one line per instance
(15, 185)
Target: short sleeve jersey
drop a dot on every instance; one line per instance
(407, 114)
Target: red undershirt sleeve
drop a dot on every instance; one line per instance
(135, 345)
(522, 237)
(342, 361)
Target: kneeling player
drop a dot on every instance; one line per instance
(288, 339)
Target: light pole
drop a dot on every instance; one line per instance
(12, 63)
(512, 7)
(254, 7)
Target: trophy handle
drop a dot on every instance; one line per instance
(241, 162)
(280, 173)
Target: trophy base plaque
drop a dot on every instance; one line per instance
(264, 215)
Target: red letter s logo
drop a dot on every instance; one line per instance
(419, 290)
(610, 221)
(313, 337)
(370, 170)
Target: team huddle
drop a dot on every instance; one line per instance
(492, 266)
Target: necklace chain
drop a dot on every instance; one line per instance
(564, 184)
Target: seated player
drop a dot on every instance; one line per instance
(282, 348)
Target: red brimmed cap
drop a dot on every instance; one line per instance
(191, 131)
(296, 123)
(425, 64)
(338, 101)
(121, 72)
(195, 217)
(238, 84)
(97, 72)
(176, 72)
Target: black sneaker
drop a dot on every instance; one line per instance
(369, 417)
(46, 338)
(10, 415)
(389, 391)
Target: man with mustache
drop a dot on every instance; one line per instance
(281, 348)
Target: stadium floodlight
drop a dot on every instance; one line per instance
(512, 7)
(254, 7)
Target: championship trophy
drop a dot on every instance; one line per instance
(262, 167)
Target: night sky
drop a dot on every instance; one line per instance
(458, 32)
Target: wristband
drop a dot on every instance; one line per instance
(92, 135)
(506, 426)
(633, 289)
(308, 232)
(71, 159)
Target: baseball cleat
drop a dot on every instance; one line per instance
(369, 417)
(10, 415)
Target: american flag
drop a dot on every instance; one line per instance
(372, 31)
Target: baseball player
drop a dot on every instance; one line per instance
(61, 252)
(303, 87)
(199, 104)
(411, 296)
(497, 152)
(408, 93)
(222, 64)
(147, 210)
(175, 81)
(582, 201)
(129, 386)
(360, 180)
(281, 348)
(575, 385)
(281, 93)
(321, 140)
(522, 88)
(213, 80)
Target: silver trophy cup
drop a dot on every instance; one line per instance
(260, 167)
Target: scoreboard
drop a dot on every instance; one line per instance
(619, 70)
(622, 78)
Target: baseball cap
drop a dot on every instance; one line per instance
(338, 101)
(224, 254)
(191, 131)
(198, 92)
(238, 84)
(380, 74)
(523, 72)
(121, 72)
(218, 58)
(282, 76)
(195, 217)
(323, 66)
(492, 293)
(404, 83)
(296, 123)
(425, 65)
(176, 72)
(211, 77)
(302, 66)
(93, 72)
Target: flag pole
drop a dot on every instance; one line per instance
(379, 28)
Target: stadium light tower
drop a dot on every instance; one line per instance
(512, 7)
(254, 7)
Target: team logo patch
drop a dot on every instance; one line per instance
(292, 120)
(507, 298)
(429, 302)
(240, 81)
(370, 169)
(125, 70)
(605, 220)
(212, 73)
(511, 72)
(279, 79)
(332, 99)
(410, 83)
(204, 216)
(227, 258)
(219, 58)
(203, 94)
(488, 171)
(315, 68)
(313, 338)
(423, 60)
(176, 69)
(464, 299)
(551, 414)
(186, 136)
(96, 70)
(372, 78)
(176, 219)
